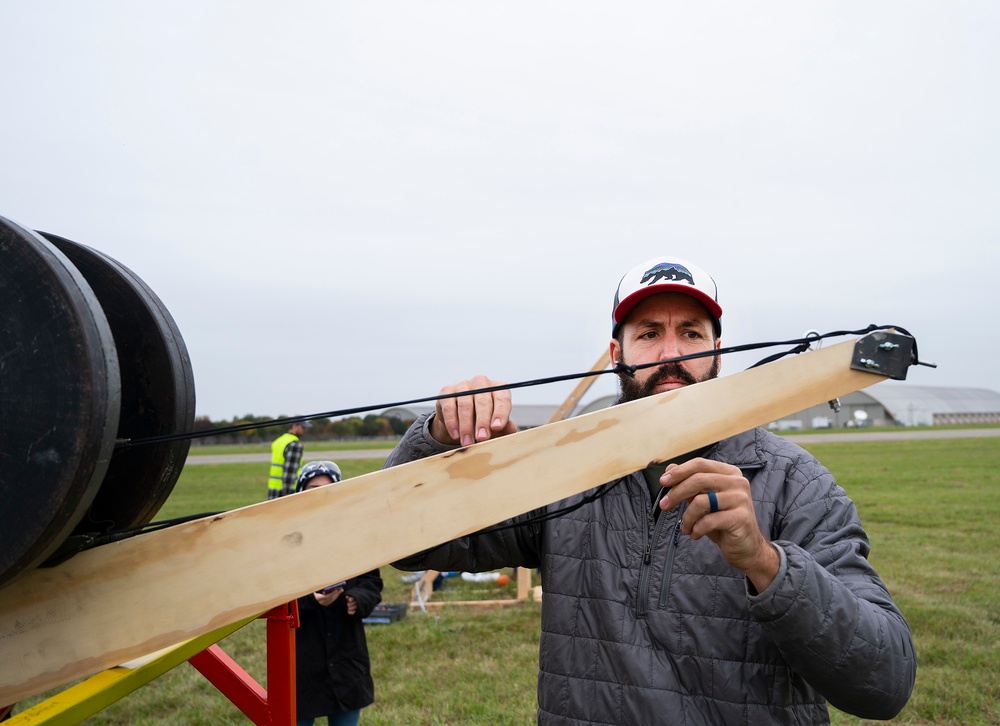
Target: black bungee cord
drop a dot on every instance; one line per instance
(602, 490)
(800, 345)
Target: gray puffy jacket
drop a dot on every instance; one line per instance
(641, 624)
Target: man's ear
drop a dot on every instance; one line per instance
(615, 352)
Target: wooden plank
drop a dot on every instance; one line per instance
(581, 388)
(523, 583)
(439, 604)
(423, 589)
(122, 600)
(524, 573)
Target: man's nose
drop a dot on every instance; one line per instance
(669, 347)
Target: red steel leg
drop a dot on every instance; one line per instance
(276, 705)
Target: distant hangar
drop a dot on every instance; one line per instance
(898, 404)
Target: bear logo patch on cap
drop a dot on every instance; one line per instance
(667, 271)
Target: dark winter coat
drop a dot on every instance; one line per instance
(642, 624)
(333, 670)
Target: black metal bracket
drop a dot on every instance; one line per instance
(884, 352)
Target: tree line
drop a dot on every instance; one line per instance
(371, 426)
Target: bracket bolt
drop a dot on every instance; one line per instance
(868, 363)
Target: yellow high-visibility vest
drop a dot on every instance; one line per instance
(274, 479)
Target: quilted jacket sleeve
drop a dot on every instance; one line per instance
(827, 611)
(478, 553)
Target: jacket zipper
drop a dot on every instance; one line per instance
(650, 535)
(668, 567)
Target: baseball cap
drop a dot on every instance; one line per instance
(665, 274)
(314, 469)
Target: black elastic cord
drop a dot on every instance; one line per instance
(601, 491)
(801, 345)
(79, 542)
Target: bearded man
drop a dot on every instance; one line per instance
(729, 586)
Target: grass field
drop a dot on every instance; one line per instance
(930, 508)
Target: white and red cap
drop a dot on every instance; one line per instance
(665, 274)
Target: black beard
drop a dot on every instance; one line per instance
(632, 390)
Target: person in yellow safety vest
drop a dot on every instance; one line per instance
(286, 454)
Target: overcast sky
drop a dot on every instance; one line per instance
(347, 204)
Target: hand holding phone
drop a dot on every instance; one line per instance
(330, 588)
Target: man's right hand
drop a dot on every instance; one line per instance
(468, 419)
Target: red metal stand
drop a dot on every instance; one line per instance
(276, 705)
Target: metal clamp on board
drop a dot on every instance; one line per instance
(884, 352)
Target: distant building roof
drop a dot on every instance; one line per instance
(407, 413)
(526, 416)
(897, 397)
(904, 404)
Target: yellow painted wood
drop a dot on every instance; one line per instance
(83, 700)
(56, 624)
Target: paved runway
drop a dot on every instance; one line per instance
(845, 436)
(310, 455)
